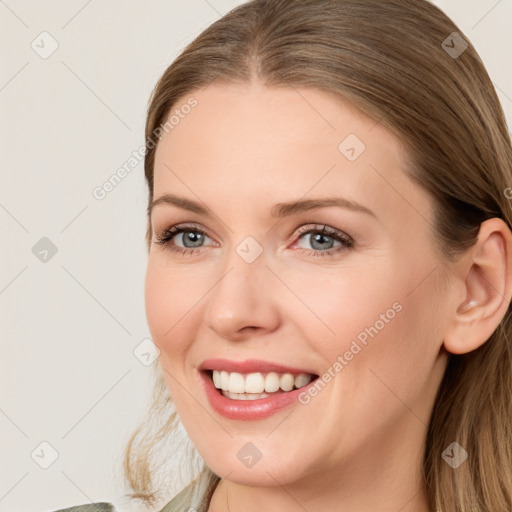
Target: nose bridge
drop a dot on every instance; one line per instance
(241, 296)
(245, 268)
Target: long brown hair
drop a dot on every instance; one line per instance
(400, 62)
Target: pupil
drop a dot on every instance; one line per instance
(192, 235)
(321, 239)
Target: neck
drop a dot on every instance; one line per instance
(232, 497)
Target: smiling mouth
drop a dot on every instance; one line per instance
(257, 385)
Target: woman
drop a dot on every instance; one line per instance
(376, 377)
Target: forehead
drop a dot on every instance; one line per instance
(249, 145)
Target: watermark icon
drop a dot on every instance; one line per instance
(351, 147)
(44, 45)
(101, 191)
(249, 455)
(44, 250)
(44, 455)
(355, 347)
(454, 45)
(146, 352)
(249, 249)
(454, 455)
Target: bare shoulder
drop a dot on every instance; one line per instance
(90, 507)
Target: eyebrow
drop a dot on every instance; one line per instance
(279, 210)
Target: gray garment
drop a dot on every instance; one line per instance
(193, 498)
(196, 496)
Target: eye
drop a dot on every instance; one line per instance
(322, 238)
(191, 237)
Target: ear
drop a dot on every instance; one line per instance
(486, 274)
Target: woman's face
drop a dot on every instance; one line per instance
(253, 288)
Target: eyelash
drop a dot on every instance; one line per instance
(165, 237)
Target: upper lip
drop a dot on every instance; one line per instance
(250, 366)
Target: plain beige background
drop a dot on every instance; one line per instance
(70, 324)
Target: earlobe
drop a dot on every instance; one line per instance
(487, 276)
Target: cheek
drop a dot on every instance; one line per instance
(169, 301)
(375, 318)
(338, 307)
(400, 341)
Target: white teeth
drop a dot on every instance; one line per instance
(254, 383)
(302, 380)
(236, 383)
(271, 382)
(251, 386)
(286, 382)
(244, 396)
(216, 380)
(224, 380)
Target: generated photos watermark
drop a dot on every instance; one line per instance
(355, 348)
(101, 191)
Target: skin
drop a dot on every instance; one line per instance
(358, 444)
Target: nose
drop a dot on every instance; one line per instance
(243, 302)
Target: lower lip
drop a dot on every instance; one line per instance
(249, 409)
